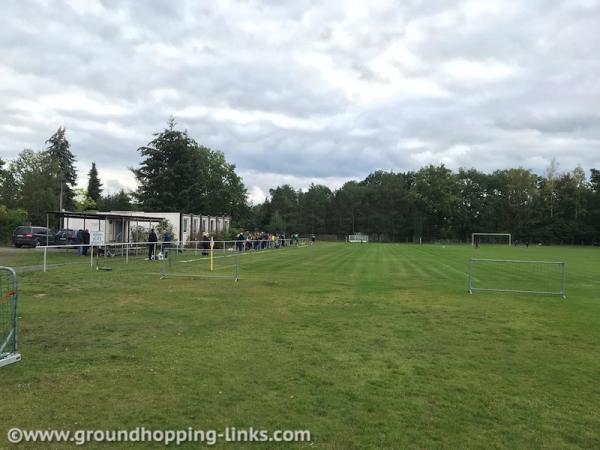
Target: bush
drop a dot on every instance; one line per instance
(9, 220)
(224, 235)
(139, 233)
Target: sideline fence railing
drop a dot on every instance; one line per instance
(69, 254)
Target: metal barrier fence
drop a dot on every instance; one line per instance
(223, 262)
(8, 317)
(517, 276)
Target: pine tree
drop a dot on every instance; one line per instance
(94, 189)
(178, 174)
(59, 153)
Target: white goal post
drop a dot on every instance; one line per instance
(476, 237)
(358, 238)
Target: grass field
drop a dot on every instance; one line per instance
(366, 346)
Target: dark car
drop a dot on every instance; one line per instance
(66, 236)
(32, 236)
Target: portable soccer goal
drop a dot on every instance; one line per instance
(223, 263)
(358, 238)
(491, 238)
(530, 277)
(8, 317)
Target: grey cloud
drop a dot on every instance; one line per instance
(549, 123)
(303, 91)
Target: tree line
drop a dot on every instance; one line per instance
(435, 203)
(175, 174)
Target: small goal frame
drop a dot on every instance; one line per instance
(358, 238)
(473, 235)
(561, 264)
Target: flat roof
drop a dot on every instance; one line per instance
(104, 216)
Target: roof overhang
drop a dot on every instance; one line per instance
(104, 216)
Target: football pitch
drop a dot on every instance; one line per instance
(367, 346)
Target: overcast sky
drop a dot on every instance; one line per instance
(307, 91)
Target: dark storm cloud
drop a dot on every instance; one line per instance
(306, 92)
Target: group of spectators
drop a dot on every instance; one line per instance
(260, 240)
(257, 240)
(167, 239)
(166, 242)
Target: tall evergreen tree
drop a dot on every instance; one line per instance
(59, 153)
(168, 174)
(177, 174)
(94, 188)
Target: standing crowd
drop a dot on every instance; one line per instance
(244, 241)
(260, 240)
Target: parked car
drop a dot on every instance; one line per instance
(32, 236)
(66, 236)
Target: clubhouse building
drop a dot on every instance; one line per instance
(127, 226)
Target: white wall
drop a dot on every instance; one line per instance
(115, 230)
(82, 224)
(196, 224)
(172, 217)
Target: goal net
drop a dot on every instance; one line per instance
(503, 275)
(8, 317)
(491, 238)
(358, 238)
(223, 263)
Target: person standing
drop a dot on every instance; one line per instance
(152, 240)
(205, 244)
(167, 239)
(86, 241)
(240, 241)
(79, 241)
